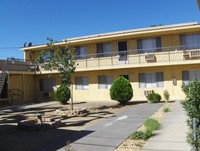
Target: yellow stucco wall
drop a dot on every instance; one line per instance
(136, 65)
(169, 73)
(95, 94)
(25, 83)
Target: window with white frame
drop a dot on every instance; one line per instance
(47, 84)
(188, 76)
(81, 52)
(190, 41)
(81, 83)
(105, 81)
(151, 80)
(103, 49)
(149, 45)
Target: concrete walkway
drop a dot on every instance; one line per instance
(109, 133)
(172, 134)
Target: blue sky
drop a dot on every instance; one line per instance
(35, 20)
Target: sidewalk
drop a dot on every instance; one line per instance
(172, 134)
(109, 133)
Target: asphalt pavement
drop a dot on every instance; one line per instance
(108, 134)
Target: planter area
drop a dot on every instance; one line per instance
(47, 123)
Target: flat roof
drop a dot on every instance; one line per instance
(133, 31)
(121, 33)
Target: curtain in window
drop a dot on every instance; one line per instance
(47, 55)
(151, 80)
(102, 82)
(78, 83)
(191, 75)
(142, 80)
(109, 81)
(81, 83)
(81, 52)
(159, 79)
(104, 49)
(107, 49)
(185, 76)
(149, 45)
(105, 81)
(85, 83)
(190, 41)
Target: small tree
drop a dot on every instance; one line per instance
(121, 90)
(191, 104)
(64, 60)
(166, 95)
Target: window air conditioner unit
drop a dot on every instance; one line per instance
(194, 53)
(147, 92)
(149, 57)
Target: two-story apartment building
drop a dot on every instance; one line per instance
(155, 58)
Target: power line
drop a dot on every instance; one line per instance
(9, 48)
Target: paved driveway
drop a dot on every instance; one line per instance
(109, 133)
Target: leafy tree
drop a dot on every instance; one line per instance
(64, 60)
(191, 104)
(121, 90)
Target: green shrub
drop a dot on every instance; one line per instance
(152, 124)
(166, 95)
(148, 132)
(191, 104)
(139, 135)
(166, 109)
(63, 94)
(154, 97)
(121, 90)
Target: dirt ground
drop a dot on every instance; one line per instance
(14, 139)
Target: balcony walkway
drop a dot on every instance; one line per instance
(132, 59)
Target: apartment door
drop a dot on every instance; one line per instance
(122, 52)
(126, 76)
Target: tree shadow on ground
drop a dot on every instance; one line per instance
(13, 139)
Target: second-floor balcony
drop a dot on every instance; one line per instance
(140, 58)
(164, 56)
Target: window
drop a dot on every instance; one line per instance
(47, 55)
(149, 45)
(151, 80)
(104, 49)
(122, 50)
(81, 52)
(81, 83)
(190, 41)
(47, 85)
(191, 75)
(105, 81)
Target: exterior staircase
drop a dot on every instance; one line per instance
(3, 75)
